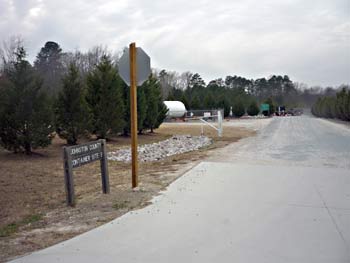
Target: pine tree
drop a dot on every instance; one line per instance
(238, 109)
(342, 105)
(49, 65)
(184, 100)
(224, 104)
(253, 109)
(209, 102)
(156, 110)
(272, 105)
(104, 98)
(170, 97)
(195, 105)
(347, 107)
(162, 114)
(151, 86)
(25, 114)
(126, 100)
(141, 109)
(71, 111)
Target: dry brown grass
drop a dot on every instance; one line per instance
(229, 133)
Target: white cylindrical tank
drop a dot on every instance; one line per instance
(176, 109)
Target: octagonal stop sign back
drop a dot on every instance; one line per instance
(143, 66)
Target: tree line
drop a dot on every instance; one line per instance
(75, 94)
(80, 96)
(239, 94)
(336, 106)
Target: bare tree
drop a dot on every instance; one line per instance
(168, 80)
(185, 79)
(85, 61)
(8, 51)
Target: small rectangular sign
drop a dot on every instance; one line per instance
(85, 153)
(207, 114)
(79, 155)
(264, 107)
(86, 148)
(86, 158)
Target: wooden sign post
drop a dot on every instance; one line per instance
(133, 111)
(78, 155)
(134, 68)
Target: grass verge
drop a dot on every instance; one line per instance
(13, 227)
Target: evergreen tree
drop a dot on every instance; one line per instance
(196, 80)
(104, 98)
(195, 105)
(184, 100)
(170, 97)
(209, 102)
(25, 114)
(126, 99)
(261, 88)
(342, 105)
(272, 105)
(224, 104)
(176, 94)
(347, 107)
(162, 114)
(152, 105)
(333, 106)
(238, 109)
(71, 111)
(141, 109)
(253, 109)
(316, 108)
(49, 65)
(154, 101)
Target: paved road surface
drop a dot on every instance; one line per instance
(290, 141)
(282, 196)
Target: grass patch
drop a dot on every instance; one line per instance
(121, 205)
(8, 230)
(13, 227)
(31, 219)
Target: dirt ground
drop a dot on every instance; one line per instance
(33, 211)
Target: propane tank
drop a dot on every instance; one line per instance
(176, 109)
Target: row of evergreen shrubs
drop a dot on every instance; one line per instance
(97, 104)
(238, 109)
(333, 107)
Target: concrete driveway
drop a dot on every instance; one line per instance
(282, 196)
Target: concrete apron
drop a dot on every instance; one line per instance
(222, 212)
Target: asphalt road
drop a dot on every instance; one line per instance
(281, 196)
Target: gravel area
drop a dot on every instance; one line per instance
(160, 150)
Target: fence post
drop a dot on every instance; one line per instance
(104, 168)
(68, 177)
(220, 123)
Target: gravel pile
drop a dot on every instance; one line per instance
(160, 150)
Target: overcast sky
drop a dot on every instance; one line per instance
(307, 40)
